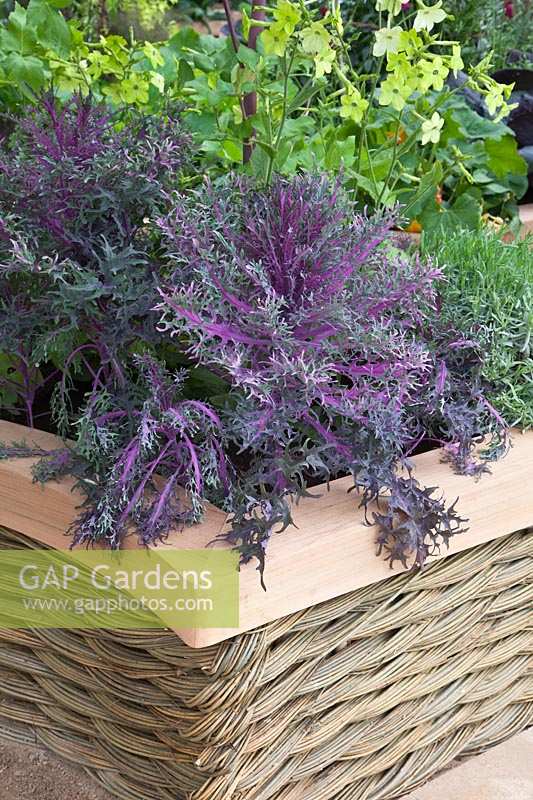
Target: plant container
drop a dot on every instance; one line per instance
(346, 680)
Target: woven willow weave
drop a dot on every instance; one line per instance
(360, 698)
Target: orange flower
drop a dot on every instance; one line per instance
(414, 227)
(402, 136)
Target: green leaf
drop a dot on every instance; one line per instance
(185, 73)
(202, 383)
(504, 158)
(473, 126)
(202, 62)
(496, 188)
(267, 148)
(258, 164)
(378, 164)
(185, 39)
(424, 194)
(464, 213)
(26, 71)
(248, 57)
(284, 151)
(53, 33)
(18, 36)
(360, 182)
(306, 93)
(481, 176)
(8, 392)
(204, 124)
(233, 150)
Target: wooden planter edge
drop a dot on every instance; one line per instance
(526, 218)
(330, 553)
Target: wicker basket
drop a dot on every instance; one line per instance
(361, 697)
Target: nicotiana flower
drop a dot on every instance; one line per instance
(316, 42)
(435, 73)
(429, 16)
(390, 6)
(494, 99)
(388, 40)
(275, 39)
(395, 91)
(353, 106)
(431, 129)
(455, 62)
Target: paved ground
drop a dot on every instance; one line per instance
(28, 773)
(503, 773)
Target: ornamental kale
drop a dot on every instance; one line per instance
(77, 281)
(241, 348)
(156, 457)
(75, 180)
(332, 345)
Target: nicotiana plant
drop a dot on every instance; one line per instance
(303, 52)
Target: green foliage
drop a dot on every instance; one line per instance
(31, 40)
(488, 295)
(396, 133)
(482, 171)
(480, 26)
(39, 49)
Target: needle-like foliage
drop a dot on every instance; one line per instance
(488, 294)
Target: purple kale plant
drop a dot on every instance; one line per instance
(77, 274)
(234, 345)
(75, 178)
(153, 457)
(332, 345)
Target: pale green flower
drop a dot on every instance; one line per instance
(398, 63)
(422, 75)
(410, 42)
(390, 6)
(157, 80)
(455, 62)
(395, 91)
(288, 15)
(153, 55)
(388, 40)
(435, 73)
(431, 129)
(275, 39)
(494, 98)
(324, 62)
(353, 106)
(429, 16)
(315, 39)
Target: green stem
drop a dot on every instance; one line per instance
(286, 75)
(393, 159)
